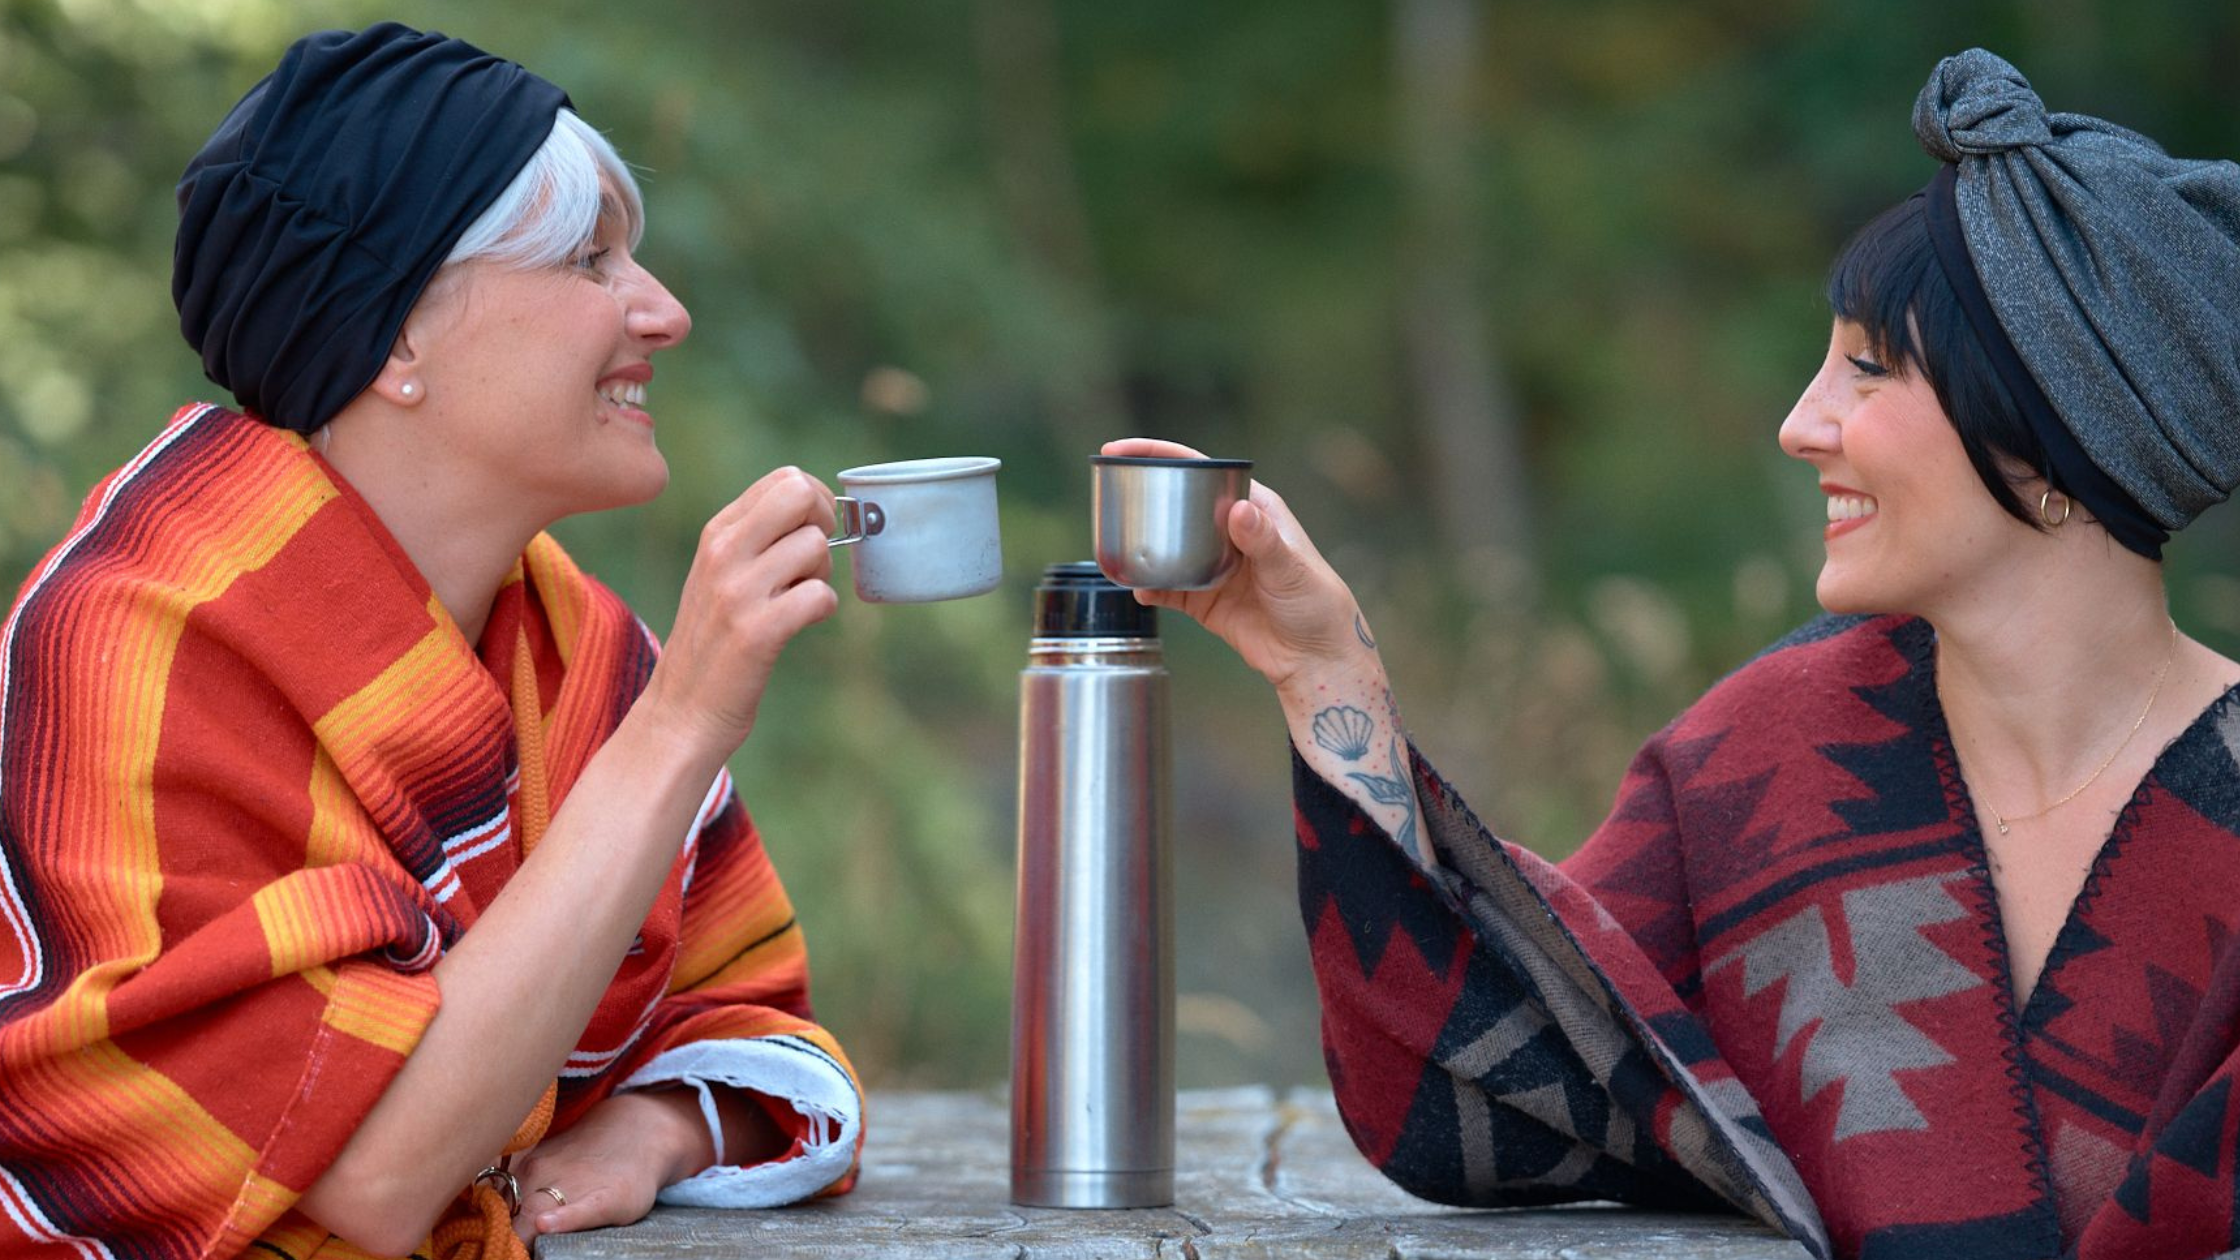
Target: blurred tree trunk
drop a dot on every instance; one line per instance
(1022, 103)
(1468, 415)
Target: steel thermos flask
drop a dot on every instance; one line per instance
(1092, 1015)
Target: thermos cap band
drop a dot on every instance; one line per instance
(1075, 601)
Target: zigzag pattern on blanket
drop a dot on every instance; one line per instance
(1774, 979)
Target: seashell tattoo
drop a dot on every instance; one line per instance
(1344, 731)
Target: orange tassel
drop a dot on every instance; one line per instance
(486, 1231)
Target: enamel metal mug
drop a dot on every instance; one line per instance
(921, 529)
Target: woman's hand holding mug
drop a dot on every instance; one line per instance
(761, 576)
(1290, 616)
(1284, 609)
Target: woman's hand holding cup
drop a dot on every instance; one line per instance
(1284, 609)
(761, 576)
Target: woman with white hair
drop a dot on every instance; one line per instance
(369, 877)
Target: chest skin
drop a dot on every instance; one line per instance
(2040, 864)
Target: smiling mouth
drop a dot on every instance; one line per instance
(1849, 507)
(624, 394)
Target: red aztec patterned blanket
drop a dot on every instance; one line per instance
(1775, 981)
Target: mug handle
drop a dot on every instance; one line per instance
(858, 520)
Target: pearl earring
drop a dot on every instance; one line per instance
(408, 389)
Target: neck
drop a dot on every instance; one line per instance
(2038, 688)
(460, 537)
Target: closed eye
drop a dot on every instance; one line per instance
(1867, 367)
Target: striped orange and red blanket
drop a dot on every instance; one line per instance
(253, 783)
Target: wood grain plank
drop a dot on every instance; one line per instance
(1257, 1175)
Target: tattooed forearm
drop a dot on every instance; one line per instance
(1344, 731)
(1398, 788)
(1350, 726)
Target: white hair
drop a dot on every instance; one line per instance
(556, 201)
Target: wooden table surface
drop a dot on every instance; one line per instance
(1257, 1174)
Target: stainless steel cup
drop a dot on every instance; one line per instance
(1163, 524)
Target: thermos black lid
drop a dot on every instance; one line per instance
(1075, 601)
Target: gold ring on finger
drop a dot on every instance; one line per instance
(558, 1199)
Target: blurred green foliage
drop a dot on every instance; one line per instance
(1279, 230)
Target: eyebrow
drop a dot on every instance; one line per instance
(613, 207)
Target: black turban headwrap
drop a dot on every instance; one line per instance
(312, 219)
(2103, 277)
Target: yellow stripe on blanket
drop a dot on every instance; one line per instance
(382, 1007)
(112, 1092)
(415, 682)
(320, 915)
(263, 1199)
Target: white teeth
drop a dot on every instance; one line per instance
(1849, 507)
(625, 394)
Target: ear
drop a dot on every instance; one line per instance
(398, 383)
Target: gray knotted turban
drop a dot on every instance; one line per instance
(2114, 270)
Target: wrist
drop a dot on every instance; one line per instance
(1325, 638)
(675, 735)
(670, 1116)
(1350, 669)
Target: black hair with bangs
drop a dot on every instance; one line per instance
(1887, 281)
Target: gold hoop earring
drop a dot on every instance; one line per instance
(2068, 505)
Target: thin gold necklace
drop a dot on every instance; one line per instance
(2168, 657)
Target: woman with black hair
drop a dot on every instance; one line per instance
(1918, 935)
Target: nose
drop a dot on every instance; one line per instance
(1812, 427)
(654, 315)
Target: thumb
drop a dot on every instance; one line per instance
(1261, 539)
